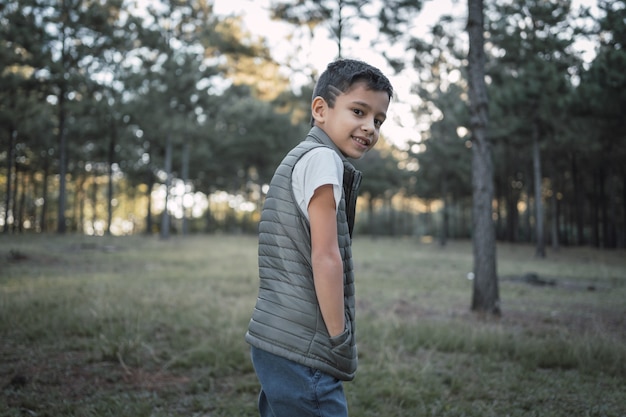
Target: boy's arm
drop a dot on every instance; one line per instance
(326, 259)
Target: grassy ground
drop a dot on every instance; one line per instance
(137, 326)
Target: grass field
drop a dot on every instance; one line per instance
(136, 326)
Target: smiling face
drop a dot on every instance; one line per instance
(353, 123)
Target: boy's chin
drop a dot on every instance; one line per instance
(357, 155)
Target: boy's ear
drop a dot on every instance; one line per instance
(318, 109)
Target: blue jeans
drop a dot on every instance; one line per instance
(289, 389)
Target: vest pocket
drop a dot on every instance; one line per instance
(340, 339)
(343, 351)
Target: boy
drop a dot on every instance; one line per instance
(302, 327)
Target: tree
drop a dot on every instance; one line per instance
(444, 169)
(533, 42)
(600, 103)
(63, 51)
(20, 57)
(339, 19)
(82, 33)
(485, 297)
(336, 14)
(442, 89)
(382, 180)
(64, 42)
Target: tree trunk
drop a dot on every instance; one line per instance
(445, 211)
(110, 162)
(43, 222)
(21, 197)
(554, 225)
(370, 215)
(466, 219)
(7, 199)
(485, 297)
(497, 214)
(150, 186)
(595, 212)
(578, 206)
(526, 226)
(61, 226)
(391, 216)
(80, 197)
(427, 216)
(622, 237)
(339, 34)
(604, 212)
(567, 234)
(208, 225)
(94, 201)
(407, 222)
(31, 210)
(540, 250)
(610, 219)
(165, 216)
(14, 212)
(512, 215)
(185, 178)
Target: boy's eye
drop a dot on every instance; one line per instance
(377, 122)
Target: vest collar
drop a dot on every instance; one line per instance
(316, 134)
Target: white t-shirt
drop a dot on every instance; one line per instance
(317, 167)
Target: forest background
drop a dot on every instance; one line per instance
(166, 117)
(121, 117)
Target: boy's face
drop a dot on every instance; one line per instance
(354, 122)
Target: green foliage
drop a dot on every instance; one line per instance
(127, 82)
(382, 178)
(445, 161)
(337, 16)
(601, 92)
(124, 84)
(539, 91)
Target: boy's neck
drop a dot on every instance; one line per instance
(317, 134)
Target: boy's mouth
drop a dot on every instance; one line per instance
(362, 141)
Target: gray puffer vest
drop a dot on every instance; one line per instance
(287, 320)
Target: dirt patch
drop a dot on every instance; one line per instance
(534, 279)
(74, 376)
(573, 319)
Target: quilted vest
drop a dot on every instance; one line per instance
(287, 320)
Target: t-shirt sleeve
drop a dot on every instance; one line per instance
(318, 167)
